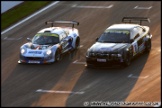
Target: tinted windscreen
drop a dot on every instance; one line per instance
(45, 39)
(115, 36)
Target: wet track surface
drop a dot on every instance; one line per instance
(69, 82)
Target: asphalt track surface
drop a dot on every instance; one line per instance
(68, 82)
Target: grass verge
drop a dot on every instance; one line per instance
(21, 11)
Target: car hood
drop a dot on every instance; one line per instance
(34, 50)
(108, 47)
(37, 47)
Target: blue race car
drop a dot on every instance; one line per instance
(48, 45)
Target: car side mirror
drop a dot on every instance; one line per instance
(29, 40)
(96, 39)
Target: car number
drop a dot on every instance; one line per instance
(32, 61)
(101, 60)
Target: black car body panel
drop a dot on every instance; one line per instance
(120, 43)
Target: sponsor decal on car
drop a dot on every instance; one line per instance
(35, 52)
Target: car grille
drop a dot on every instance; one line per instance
(103, 55)
(34, 58)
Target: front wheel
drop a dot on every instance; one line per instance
(57, 56)
(127, 61)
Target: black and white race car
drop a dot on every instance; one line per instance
(120, 43)
(49, 44)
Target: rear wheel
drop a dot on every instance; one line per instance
(148, 46)
(77, 43)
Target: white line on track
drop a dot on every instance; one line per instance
(137, 7)
(76, 62)
(81, 46)
(142, 77)
(30, 17)
(53, 91)
(6, 38)
(75, 6)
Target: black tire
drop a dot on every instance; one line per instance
(148, 46)
(57, 56)
(127, 61)
(77, 43)
(89, 66)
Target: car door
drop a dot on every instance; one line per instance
(64, 42)
(141, 41)
(135, 37)
(135, 44)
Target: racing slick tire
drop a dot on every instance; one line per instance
(77, 43)
(148, 46)
(127, 61)
(57, 56)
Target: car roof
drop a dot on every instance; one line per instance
(123, 26)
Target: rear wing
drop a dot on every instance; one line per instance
(135, 19)
(62, 22)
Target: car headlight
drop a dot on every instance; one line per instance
(119, 55)
(127, 49)
(48, 52)
(23, 51)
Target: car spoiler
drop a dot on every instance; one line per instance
(135, 19)
(62, 22)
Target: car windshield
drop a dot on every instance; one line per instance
(45, 39)
(115, 36)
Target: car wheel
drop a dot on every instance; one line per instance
(77, 43)
(127, 61)
(89, 66)
(148, 45)
(57, 56)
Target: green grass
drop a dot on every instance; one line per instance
(21, 11)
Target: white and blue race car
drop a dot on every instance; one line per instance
(49, 44)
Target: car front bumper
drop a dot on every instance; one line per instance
(35, 60)
(103, 62)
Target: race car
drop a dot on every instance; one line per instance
(49, 44)
(120, 43)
